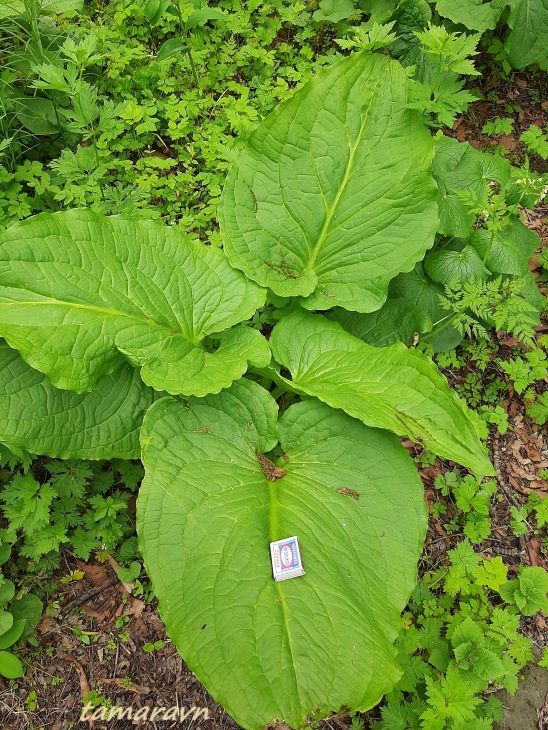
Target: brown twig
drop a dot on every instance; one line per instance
(84, 597)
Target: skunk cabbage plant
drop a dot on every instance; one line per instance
(125, 337)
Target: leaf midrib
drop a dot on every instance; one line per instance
(107, 313)
(347, 174)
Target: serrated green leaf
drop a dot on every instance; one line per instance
(397, 320)
(329, 201)
(528, 591)
(453, 266)
(390, 387)
(473, 14)
(527, 42)
(508, 251)
(42, 419)
(78, 290)
(12, 8)
(469, 632)
(440, 655)
(206, 514)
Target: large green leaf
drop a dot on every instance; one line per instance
(411, 17)
(304, 647)
(527, 42)
(12, 8)
(390, 387)
(78, 289)
(329, 200)
(103, 424)
(473, 14)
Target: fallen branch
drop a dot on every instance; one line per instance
(85, 597)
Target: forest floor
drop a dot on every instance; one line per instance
(104, 647)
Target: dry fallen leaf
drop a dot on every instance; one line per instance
(508, 142)
(533, 548)
(84, 684)
(95, 573)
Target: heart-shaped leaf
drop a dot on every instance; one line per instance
(390, 387)
(78, 289)
(397, 320)
(329, 200)
(417, 290)
(210, 504)
(103, 424)
(508, 251)
(36, 114)
(463, 174)
(451, 265)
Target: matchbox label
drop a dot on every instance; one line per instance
(286, 558)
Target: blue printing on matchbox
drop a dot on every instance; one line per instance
(289, 556)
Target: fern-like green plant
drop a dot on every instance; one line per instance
(124, 335)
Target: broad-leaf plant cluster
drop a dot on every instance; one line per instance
(130, 331)
(343, 221)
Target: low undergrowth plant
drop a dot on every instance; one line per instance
(536, 141)
(19, 614)
(125, 337)
(460, 642)
(80, 505)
